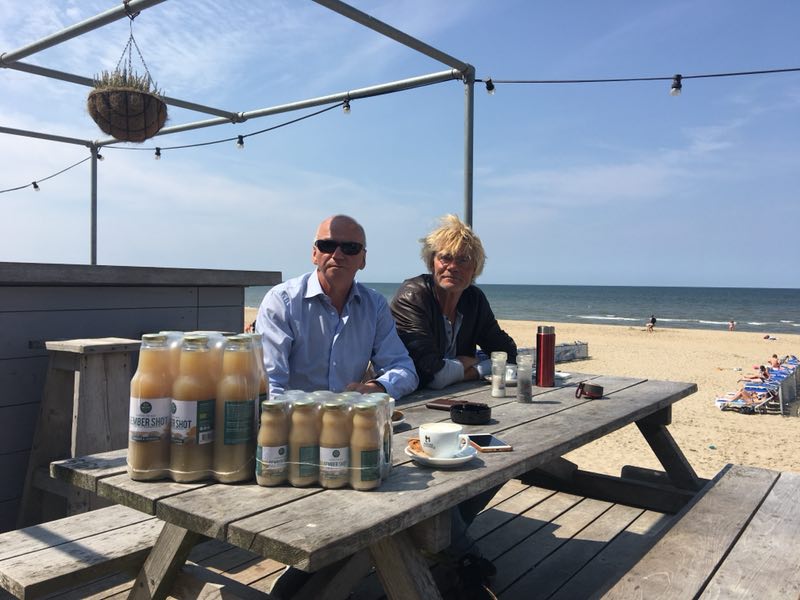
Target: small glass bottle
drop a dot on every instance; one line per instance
(365, 447)
(193, 404)
(149, 418)
(385, 403)
(334, 444)
(272, 452)
(304, 442)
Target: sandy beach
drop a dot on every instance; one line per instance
(709, 437)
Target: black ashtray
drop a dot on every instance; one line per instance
(470, 413)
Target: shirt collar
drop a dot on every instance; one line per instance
(314, 289)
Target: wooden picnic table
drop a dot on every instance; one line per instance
(337, 534)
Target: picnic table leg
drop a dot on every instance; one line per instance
(163, 563)
(654, 430)
(402, 570)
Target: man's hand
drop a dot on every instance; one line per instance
(469, 362)
(366, 388)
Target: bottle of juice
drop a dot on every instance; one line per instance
(174, 343)
(304, 442)
(234, 432)
(272, 452)
(149, 420)
(192, 427)
(365, 447)
(334, 444)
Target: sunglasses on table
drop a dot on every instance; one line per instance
(330, 246)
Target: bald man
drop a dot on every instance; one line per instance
(320, 331)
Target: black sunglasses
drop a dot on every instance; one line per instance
(330, 246)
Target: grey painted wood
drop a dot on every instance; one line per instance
(221, 296)
(680, 563)
(47, 298)
(765, 562)
(65, 274)
(18, 438)
(13, 466)
(21, 381)
(162, 564)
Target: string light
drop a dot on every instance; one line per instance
(35, 186)
(158, 153)
(240, 142)
(677, 86)
(490, 87)
(346, 106)
(100, 156)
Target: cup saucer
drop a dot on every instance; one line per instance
(466, 454)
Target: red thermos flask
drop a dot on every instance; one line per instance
(545, 356)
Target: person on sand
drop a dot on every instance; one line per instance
(774, 362)
(731, 325)
(762, 375)
(322, 330)
(651, 323)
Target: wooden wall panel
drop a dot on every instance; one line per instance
(22, 380)
(46, 298)
(22, 420)
(221, 296)
(13, 467)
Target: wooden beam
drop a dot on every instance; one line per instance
(670, 456)
(163, 563)
(402, 570)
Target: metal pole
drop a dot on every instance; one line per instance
(469, 126)
(367, 92)
(80, 80)
(75, 30)
(45, 136)
(399, 36)
(94, 207)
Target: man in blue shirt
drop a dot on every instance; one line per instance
(321, 331)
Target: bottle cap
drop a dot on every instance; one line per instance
(545, 329)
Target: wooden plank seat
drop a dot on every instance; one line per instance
(737, 539)
(60, 554)
(97, 554)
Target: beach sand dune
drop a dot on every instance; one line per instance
(708, 437)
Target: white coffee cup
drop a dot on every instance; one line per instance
(441, 440)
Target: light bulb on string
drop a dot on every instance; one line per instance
(490, 87)
(677, 86)
(158, 154)
(35, 186)
(100, 156)
(240, 142)
(346, 106)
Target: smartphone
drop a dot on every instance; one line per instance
(486, 442)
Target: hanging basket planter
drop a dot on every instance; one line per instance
(124, 104)
(127, 112)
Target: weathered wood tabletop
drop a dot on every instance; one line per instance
(312, 528)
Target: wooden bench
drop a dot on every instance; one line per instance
(737, 539)
(98, 554)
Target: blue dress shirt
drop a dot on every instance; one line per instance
(309, 346)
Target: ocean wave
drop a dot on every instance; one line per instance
(757, 323)
(668, 320)
(608, 318)
(712, 322)
(785, 321)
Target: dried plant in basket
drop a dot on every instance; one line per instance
(127, 106)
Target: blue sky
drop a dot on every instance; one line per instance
(602, 184)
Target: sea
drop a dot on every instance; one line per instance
(768, 311)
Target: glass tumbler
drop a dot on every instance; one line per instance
(499, 374)
(524, 378)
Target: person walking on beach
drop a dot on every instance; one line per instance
(321, 331)
(731, 325)
(651, 323)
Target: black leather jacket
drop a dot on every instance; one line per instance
(421, 327)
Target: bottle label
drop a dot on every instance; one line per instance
(271, 460)
(238, 428)
(334, 462)
(370, 465)
(149, 419)
(192, 422)
(309, 461)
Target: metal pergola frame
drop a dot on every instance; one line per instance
(458, 70)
